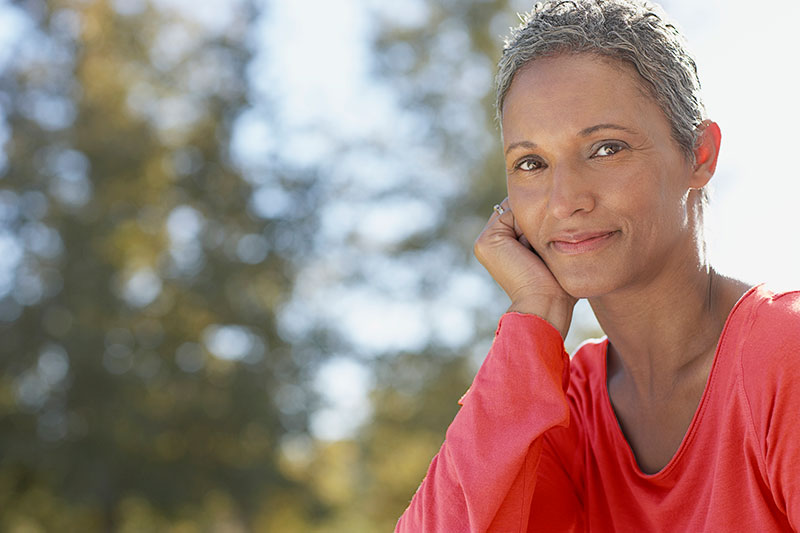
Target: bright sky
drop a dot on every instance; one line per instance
(747, 66)
(751, 91)
(745, 57)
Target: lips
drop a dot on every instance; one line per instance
(572, 243)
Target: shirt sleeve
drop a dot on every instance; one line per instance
(484, 475)
(556, 505)
(771, 374)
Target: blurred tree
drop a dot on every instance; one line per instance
(170, 279)
(144, 380)
(437, 57)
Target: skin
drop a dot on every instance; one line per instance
(609, 202)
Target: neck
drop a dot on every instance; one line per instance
(666, 328)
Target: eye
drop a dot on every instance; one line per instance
(529, 165)
(609, 148)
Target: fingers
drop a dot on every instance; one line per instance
(510, 259)
(504, 208)
(500, 230)
(504, 224)
(507, 218)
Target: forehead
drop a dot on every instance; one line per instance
(576, 89)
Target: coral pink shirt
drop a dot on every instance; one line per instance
(536, 445)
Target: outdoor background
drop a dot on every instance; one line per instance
(236, 283)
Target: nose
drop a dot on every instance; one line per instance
(570, 193)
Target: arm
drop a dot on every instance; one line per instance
(783, 446)
(771, 374)
(557, 506)
(484, 475)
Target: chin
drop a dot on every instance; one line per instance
(585, 285)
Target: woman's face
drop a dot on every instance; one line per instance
(595, 180)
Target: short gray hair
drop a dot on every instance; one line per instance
(635, 32)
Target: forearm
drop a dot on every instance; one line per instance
(483, 476)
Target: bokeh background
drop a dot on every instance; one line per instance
(236, 283)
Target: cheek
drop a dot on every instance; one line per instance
(649, 203)
(636, 188)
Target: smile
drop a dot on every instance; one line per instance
(580, 244)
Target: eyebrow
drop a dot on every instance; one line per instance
(592, 129)
(520, 144)
(583, 133)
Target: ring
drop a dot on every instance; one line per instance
(498, 209)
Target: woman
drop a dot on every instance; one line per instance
(685, 417)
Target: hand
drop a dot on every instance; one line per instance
(508, 256)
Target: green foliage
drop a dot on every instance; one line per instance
(140, 252)
(441, 68)
(148, 379)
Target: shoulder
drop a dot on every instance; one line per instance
(777, 310)
(774, 305)
(767, 339)
(770, 327)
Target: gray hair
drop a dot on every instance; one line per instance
(631, 31)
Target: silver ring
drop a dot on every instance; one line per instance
(498, 209)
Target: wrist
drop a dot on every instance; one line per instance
(555, 311)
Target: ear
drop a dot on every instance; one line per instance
(706, 152)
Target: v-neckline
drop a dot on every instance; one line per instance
(696, 417)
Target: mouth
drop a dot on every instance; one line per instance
(581, 243)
